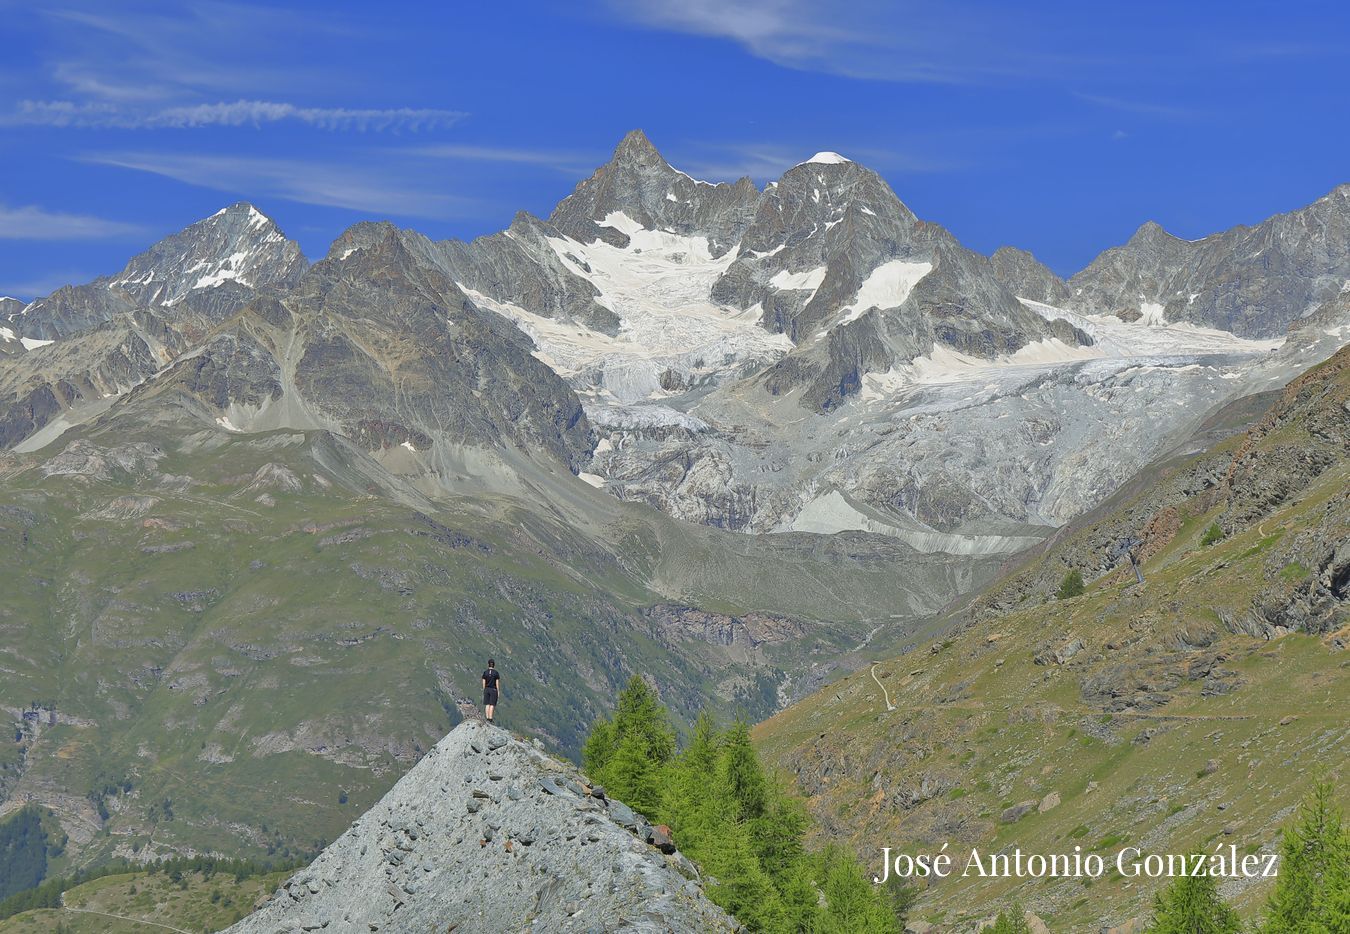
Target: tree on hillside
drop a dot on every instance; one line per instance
(851, 899)
(627, 753)
(1313, 889)
(1071, 586)
(734, 820)
(744, 777)
(1013, 921)
(1191, 905)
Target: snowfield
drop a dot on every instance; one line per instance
(659, 286)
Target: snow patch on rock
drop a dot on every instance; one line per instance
(887, 286)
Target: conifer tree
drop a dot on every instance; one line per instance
(1191, 905)
(778, 835)
(1013, 921)
(1312, 886)
(627, 754)
(1071, 586)
(852, 903)
(742, 773)
(632, 776)
(640, 713)
(742, 829)
(599, 747)
(1331, 907)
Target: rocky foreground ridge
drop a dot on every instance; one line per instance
(487, 833)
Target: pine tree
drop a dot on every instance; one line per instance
(1191, 905)
(734, 821)
(1071, 586)
(742, 773)
(628, 753)
(640, 713)
(801, 898)
(778, 835)
(1013, 921)
(1331, 908)
(632, 776)
(852, 903)
(598, 748)
(742, 887)
(1312, 885)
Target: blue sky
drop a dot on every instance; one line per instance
(1057, 127)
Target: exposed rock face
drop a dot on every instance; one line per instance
(638, 183)
(1027, 277)
(810, 357)
(750, 630)
(387, 336)
(114, 333)
(488, 834)
(98, 364)
(376, 343)
(831, 259)
(1253, 281)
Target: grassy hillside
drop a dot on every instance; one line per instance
(145, 902)
(1194, 710)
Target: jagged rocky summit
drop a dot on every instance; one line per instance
(487, 833)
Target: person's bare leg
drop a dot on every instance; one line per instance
(491, 709)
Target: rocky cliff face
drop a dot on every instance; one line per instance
(639, 184)
(1252, 281)
(1027, 277)
(487, 834)
(116, 332)
(837, 262)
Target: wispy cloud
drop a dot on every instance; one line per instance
(908, 41)
(193, 48)
(236, 113)
(34, 223)
(373, 190)
(199, 63)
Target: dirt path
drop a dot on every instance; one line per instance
(104, 914)
(884, 692)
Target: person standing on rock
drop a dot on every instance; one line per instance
(491, 689)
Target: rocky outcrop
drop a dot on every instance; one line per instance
(1253, 281)
(1027, 277)
(750, 630)
(487, 834)
(640, 184)
(838, 263)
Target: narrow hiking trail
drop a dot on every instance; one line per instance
(105, 914)
(884, 692)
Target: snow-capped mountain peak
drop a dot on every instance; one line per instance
(826, 158)
(640, 183)
(216, 262)
(237, 244)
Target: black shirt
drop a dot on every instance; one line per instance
(490, 679)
